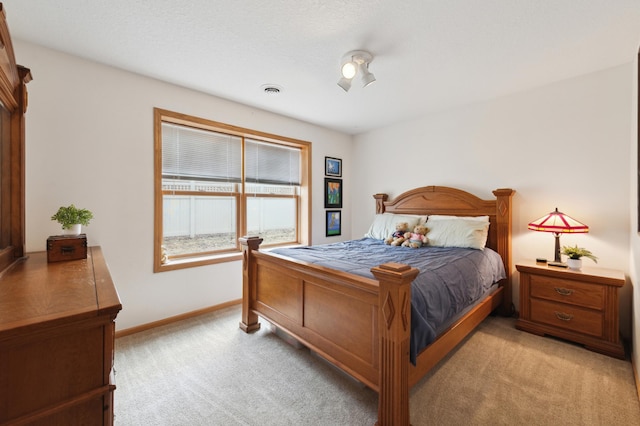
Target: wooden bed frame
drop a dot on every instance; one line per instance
(362, 325)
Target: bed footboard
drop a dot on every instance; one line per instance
(360, 325)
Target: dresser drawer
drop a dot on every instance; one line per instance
(569, 317)
(567, 291)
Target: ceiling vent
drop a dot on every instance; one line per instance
(271, 89)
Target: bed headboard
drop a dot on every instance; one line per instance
(451, 201)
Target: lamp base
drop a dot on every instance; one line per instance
(556, 249)
(558, 264)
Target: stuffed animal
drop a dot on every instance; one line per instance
(417, 238)
(397, 238)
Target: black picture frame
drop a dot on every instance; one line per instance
(333, 223)
(332, 193)
(332, 166)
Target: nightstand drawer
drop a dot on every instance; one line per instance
(567, 291)
(567, 316)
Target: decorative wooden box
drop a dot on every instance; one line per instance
(66, 247)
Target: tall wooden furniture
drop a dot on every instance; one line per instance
(576, 305)
(57, 341)
(13, 106)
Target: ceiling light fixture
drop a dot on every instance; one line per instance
(352, 62)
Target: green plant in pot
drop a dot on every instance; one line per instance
(72, 218)
(575, 255)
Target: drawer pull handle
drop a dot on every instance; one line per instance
(564, 291)
(563, 317)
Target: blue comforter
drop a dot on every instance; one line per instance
(450, 279)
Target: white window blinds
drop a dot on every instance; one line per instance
(271, 164)
(189, 153)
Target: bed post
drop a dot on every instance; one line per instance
(249, 321)
(394, 325)
(503, 219)
(380, 199)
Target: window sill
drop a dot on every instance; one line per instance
(192, 262)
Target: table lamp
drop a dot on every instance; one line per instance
(558, 223)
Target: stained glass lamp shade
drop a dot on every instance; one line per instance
(558, 223)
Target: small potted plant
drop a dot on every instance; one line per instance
(72, 218)
(576, 254)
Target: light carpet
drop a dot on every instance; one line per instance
(206, 371)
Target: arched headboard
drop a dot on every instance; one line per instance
(443, 200)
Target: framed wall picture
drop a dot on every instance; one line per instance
(332, 166)
(332, 193)
(333, 223)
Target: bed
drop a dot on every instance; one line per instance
(362, 324)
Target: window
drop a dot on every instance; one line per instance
(215, 182)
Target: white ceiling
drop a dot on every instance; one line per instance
(429, 55)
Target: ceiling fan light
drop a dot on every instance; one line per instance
(353, 62)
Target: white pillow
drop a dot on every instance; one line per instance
(385, 224)
(458, 231)
(476, 218)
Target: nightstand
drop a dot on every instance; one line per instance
(576, 305)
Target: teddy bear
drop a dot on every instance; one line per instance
(397, 238)
(417, 238)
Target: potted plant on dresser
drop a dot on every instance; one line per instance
(576, 254)
(72, 219)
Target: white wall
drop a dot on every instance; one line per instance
(90, 133)
(564, 145)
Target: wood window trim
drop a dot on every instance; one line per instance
(304, 215)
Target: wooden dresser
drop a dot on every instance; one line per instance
(57, 341)
(577, 305)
